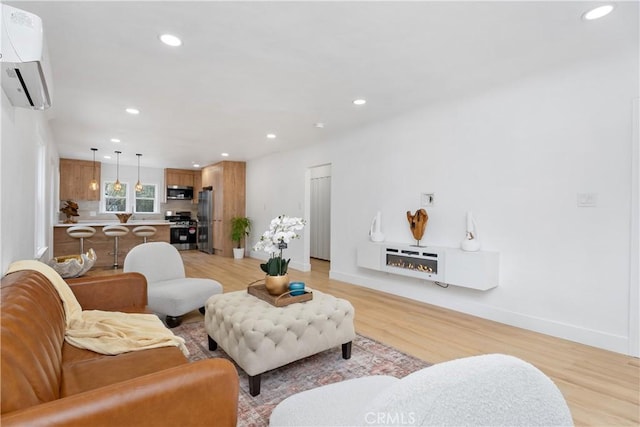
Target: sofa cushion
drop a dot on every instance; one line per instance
(100, 370)
(33, 328)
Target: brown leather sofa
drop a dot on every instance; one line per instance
(45, 381)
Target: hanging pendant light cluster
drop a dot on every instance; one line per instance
(93, 185)
(138, 184)
(117, 186)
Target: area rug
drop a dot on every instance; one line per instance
(368, 357)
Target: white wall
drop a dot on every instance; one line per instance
(23, 131)
(276, 187)
(516, 156)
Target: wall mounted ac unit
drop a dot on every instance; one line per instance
(26, 73)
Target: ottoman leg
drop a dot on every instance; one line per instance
(254, 385)
(212, 344)
(346, 350)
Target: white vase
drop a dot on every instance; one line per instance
(374, 232)
(471, 242)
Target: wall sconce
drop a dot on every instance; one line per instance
(93, 185)
(117, 186)
(138, 184)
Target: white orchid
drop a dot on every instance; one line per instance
(282, 230)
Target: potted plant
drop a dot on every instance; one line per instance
(240, 228)
(281, 231)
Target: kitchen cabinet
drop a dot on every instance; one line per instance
(229, 193)
(179, 177)
(197, 185)
(75, 177)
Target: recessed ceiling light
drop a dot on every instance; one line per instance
(359, 101)
(195, 165)
(319, 125)
(598, 12)
(271, 135)
(115, 140)
(132, 111)
(170, 40)
(224, 154)
(107, 157)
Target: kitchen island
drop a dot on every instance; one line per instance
(63, 244)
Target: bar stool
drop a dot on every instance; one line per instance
(81, 232)
(144, 231)
(115, 231)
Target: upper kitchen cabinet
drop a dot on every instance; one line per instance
(227, 179)
(179, 177)
(75, 177)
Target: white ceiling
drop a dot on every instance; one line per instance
(250, 68)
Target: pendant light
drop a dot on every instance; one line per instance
(117, 186)
(138, 184)
(93, 185)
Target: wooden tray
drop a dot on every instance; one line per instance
(260, 291)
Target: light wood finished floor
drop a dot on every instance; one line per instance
(601, 387)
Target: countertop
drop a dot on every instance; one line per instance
(103, 223)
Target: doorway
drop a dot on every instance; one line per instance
(320, 213)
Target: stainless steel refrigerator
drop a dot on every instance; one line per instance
(205, 221)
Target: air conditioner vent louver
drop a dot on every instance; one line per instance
(26, 80)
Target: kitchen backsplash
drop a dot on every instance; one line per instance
(86, 208)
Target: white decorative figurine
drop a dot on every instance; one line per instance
(471, 242)
(374, 232)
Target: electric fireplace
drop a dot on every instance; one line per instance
(419, 262)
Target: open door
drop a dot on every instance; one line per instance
(320, 213)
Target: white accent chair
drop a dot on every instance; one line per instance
(169, 291)
(488, 390)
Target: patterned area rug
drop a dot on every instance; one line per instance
(368, 357)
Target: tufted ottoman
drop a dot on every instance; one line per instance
(261, 337)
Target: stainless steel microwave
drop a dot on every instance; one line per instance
(175, 192)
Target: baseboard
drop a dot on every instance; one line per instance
(616, 343)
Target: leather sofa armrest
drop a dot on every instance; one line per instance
(194, 394)
(109, 293)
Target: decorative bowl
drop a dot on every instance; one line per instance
(124, 217)
(296, 288)
(73, 265)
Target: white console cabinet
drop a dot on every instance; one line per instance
(452, 266)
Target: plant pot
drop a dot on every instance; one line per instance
(277, 285)
(238, 253)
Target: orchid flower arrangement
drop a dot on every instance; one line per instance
(281, 231)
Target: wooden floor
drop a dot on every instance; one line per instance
(601, 387)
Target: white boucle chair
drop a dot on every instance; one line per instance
(488, 390)
(169, 291)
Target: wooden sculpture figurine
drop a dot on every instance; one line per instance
(418, 222)
(70, 209)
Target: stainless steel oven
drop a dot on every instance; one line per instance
(183, 231)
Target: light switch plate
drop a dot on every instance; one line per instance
(587, 200)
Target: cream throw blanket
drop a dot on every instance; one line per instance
(105, 332)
